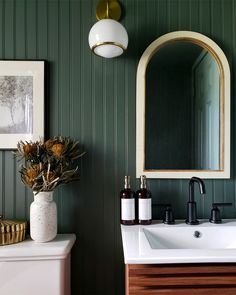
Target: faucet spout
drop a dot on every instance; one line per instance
(191, 205)
(202, 188)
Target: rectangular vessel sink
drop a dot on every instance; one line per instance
(191, 237)
(180, 243)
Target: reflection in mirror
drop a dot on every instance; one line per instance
(183, 108)
(182, 129)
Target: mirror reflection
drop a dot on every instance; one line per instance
(182, 105)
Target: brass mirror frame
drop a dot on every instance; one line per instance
(220, 58)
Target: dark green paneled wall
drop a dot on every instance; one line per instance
(93, 100)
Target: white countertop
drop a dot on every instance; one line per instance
(58, 248)
(137, 249)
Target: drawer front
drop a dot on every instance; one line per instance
(181, 279)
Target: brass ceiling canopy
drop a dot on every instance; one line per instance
(108, 9)
(12, 231)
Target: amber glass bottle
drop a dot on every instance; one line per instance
(144, 202)
(127, 198)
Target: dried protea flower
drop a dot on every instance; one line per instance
(30, 149)
(58, 149)
(50, 163)
(49, 143)
(30, 174)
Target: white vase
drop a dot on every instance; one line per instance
(43, 217)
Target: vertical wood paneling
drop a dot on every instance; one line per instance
(205, 16)
(184, 15)
(216, 28)
(31, 29)
(64, 88)
(93, 100)
(42, 29)
(9, 185)
(108, 170)
(64, 66)
(98, 111)
(2, 27)
(194, 15)
(164, 16)
(88, 194)
(53, 58)
(9, 29)
(173, 15)
(20, 33)
(216, 19)
(75, 68)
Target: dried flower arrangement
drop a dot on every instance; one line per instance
(48, 164)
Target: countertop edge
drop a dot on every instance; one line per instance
(59, 248)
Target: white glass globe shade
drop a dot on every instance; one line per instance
(108, 38)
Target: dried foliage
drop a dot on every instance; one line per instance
(48, 164)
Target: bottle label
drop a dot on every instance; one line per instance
(145, 209)
(127, 209)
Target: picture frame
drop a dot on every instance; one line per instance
(21, 102)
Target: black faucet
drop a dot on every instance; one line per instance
(191, 205)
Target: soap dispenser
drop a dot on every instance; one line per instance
(144, 202)
(127, 210)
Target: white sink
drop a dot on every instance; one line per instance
(160, 243)
(191, 237)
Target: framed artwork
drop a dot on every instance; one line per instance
(21, 102)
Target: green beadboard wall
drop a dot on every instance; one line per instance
(93, 100)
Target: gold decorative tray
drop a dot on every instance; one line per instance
(12, 231)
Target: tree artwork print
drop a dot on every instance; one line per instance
(16, 104)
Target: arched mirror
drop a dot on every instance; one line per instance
(183, 108)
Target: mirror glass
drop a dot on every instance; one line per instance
(183, 108)
(182, 122)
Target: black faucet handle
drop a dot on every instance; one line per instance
(215, 212)
(168, 217)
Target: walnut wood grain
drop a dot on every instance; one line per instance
(181, 268)
(202, 291)
(199, 279)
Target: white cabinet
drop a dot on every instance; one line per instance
(30, 268)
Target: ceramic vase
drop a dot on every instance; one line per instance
(43, 217)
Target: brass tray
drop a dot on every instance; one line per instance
(12, 231)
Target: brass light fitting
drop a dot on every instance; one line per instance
(108, 9)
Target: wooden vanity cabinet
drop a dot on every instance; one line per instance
(181, 279)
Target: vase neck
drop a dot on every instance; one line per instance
(43, 196)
